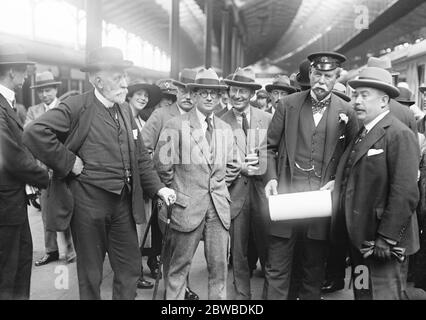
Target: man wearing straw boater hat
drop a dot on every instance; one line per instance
(249, 205)
(100, 165)
(17, 168)
(195, 156)
(309, 131)
(150, 134)
(47, 90)
(376, 194)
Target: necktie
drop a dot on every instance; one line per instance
(361, 135)
(318, 106)
(113, 111)
(245, 123)
(209, 131)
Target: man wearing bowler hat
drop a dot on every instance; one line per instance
(47, 90)
(249, 208)
(279, 88)
(195, 156)
(100, 165)
(150, 134)
(309, 131)
(376, 193)
(17, 168)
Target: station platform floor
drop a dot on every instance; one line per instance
(58, 280)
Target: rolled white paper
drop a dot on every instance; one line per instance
(300, 205)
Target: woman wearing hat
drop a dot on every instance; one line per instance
(142, 98)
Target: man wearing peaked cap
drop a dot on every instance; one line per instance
(309, 131)
(279, 88)
(204, 166)
(376, 194)
(151, 133)
(249, 209)
(47, 89)
(17, 168)
(100, 165)
(169, 92)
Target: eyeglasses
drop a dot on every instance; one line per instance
(205, 93)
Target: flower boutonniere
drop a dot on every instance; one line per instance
(343, 117)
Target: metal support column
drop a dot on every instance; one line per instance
(208, 8)
(93, 29)
(225, 52)
(174, 40)
(234, 44)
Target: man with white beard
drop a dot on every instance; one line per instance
(100, 165)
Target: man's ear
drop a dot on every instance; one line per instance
(385, 101)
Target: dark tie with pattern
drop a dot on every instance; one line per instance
(245, 123)
(361, 135)
(209, 131)
(318, 106)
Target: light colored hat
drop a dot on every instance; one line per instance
(377, 78)
(45, 79)
(208, 79)
(185, 76)
(243, 77)
(281, 82)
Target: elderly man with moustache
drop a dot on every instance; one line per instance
(17, 168)
(249, 208)
(376, 192)
(100, 166)
(308, 134)
(196, 157)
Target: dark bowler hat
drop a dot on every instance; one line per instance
(206, 79)
(422, 88)
(154, 92)
(185, 76)
(12, 53)
(106, 58)
(45, 79)
(405, 96)
(340, 90)
(377, 78)
(281, 82)
(243, 77)
(302, 76)
(326, 60)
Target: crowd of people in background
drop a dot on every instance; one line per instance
(112, 172)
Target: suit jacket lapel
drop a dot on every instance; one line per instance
(12, 114)
(201, 142)
(372, 137)
(125, 113)
(292, 125)
(239, 136)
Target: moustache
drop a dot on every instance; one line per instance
(320, 87)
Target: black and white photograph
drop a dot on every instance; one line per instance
(232, 151)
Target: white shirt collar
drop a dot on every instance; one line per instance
(51, 105)
(8, 94)
(314, 96)
(103, 100)
(202, 118)
(373, 122)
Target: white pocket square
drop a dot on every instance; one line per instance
(135, 134)
(342, 137)
(373, 152)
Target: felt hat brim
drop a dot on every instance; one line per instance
(125, 64)
(342, 95)
(46, 84)
(193, 86)
(254, 86)
(271, 87)
(392, 91)
(154, 93)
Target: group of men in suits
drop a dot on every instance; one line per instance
(216, 168)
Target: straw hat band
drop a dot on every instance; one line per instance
(368, 78)
(241, 78)
(207, 81)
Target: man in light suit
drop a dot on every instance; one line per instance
(307, 135)
(151, 133)
(100, 165)
(376, 194)
(47, 90)
(17, 168)
(249, 208)
(196, 157)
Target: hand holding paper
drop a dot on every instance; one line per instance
(271, 188)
